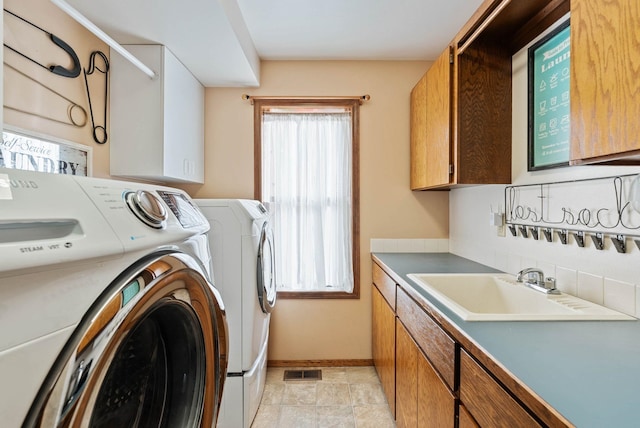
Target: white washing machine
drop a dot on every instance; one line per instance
(108, 316)
(241, 244)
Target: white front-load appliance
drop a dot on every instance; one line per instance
(108, 315)
(241, 243)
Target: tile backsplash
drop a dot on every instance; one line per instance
(605, 277)
(409, 245)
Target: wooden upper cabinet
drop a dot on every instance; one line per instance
(605, 88)
(438, 133)
(419, 134)
(468, 94)
(431, 126)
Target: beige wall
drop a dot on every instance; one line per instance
(22, 93)
(329, 329)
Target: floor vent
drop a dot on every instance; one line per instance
(303, 375)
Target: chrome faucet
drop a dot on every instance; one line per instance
(535, 279)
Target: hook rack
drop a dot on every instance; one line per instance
(556, 208)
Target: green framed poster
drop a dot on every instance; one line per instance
(549, 123)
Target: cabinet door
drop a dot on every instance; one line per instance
(436, 404)
(419, 134)
(605, 53)
(383, 344)
(439, 121)
(431, 126)
(183, 122)
(157, 125)
(422, 398)
(406, 379)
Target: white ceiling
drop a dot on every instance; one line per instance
(222, 41)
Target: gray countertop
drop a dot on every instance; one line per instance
(589, 371)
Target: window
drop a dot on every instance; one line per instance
(306, 163)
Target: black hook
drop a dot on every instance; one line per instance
(55, 69)
(579, 237)
(60, 70)
(619, 243)
(563, 235)
(598, 240)
(523, 231)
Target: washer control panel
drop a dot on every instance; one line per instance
(182, 207)
(147, 207)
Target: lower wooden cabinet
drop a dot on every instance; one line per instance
(436, 403)
(384, 345)
(422, 399)
(429, 376)
(406, 379)
(488, 403)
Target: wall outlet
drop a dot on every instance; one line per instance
(496, 219)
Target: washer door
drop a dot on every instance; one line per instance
(151, 352)
(266, 270)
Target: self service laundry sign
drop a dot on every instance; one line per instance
(19, 151)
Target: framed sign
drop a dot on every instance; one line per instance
(549, 126)
(29, 151)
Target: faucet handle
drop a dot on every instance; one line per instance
(550, 283)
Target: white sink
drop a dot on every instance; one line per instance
(498, 297)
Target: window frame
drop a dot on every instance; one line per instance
(262, 104)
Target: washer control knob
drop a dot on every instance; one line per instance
(147, 207)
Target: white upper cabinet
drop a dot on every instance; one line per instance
(157, 125)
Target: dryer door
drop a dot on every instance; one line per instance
(152, 351)
(266, 270)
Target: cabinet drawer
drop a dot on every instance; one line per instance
(486, 400)
(385, 284)
(439, 348)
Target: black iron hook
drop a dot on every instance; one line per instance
(55, 69)
(60, 70)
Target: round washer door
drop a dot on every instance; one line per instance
(266, 273)
(151, 351)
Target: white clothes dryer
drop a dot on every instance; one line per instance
(108, 316)
(241, 244)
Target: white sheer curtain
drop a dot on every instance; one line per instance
(306, 182)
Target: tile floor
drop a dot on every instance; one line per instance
(346, 397)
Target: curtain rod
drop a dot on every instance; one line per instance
(360, 98)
